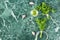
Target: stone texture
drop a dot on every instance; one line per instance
(13, 27)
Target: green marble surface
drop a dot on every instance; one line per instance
(14, 27)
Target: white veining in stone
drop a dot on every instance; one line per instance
(0, 39)
(0, 30)
(56, 29)
(31, 3)
(33, 33)
(23, 16)
(14, 15)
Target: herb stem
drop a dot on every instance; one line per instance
(41, 34)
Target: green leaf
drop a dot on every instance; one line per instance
(41, 23)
